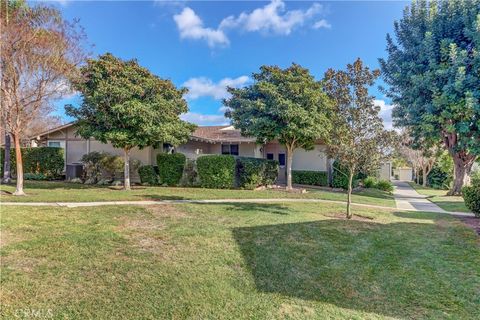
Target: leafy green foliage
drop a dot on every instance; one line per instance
(170, 167)
(47, 161)
(128, 106)
(92, 169)
(432, 74)
(370, 182)
(313, 178)
(255, 172)
(340, 177)
(35, 176)
(190, 174)
(216, 171)
(471, 195)
(103, 167)
(148, 175)
(384, 185)
(287, 105)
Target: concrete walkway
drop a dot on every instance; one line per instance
(407, 198)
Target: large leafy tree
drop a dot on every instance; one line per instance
(39, 52)
(287, 105)
(359, 141)
(433, 75)
(128, 106)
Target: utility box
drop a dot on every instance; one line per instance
(74, 170)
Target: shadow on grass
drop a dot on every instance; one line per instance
(248, 208)
(159, 197)
(396, 269)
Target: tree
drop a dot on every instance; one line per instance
(39, 52)
(359, 141)
(287, 105)
(126, 105)
(433, 78)
(6, 162)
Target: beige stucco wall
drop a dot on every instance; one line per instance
(314, 160)
(194, 149)
(385, 171)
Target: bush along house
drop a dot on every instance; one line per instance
(311, 166)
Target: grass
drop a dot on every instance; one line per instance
(237, 261)
(53, 191)
(440, 198)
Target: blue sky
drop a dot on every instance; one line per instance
(208, 45)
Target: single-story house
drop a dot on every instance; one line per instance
(204, 140)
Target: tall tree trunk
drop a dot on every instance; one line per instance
(289, 166)
(424, 174)
(6, 160)
(126, 184)
(462, 166)
(18, 157)
(349, 194)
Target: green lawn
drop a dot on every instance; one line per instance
(236, 261)
(70, 192)
(440, 198)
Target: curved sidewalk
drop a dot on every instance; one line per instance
(219, 201)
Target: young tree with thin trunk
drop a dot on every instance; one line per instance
(128, 106)
(433, 78)
(39, 52)
(359, 141)
(287, 105)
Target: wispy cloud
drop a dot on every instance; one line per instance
(385, 113)
(205, 87)
(204, 119)
(272, 18)
(322, 24)
(191, 26)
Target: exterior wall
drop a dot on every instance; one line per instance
(194, 149)
(314, 160)
(405, 174)
(385, 171)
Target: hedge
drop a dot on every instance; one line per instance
(148, 175)
(46, 161)
(340, 177)
(313, 178)
(255, 172)
(170, 168)
(471, 195)
(216, 171)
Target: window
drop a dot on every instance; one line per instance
(230, 149)
(55, 144)
(281, 159)
(269, 156)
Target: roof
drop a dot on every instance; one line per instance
(211, 134)
(214, 134)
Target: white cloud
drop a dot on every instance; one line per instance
(385, 113)
(204, 87)
(322, 24)
(272, 18)
(204, 119)
(191, 27)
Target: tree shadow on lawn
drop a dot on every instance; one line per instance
(248, 207)
(397, 269)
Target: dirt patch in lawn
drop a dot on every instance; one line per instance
(471, 222)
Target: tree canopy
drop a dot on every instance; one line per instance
(128, 106)
(359, 141)
(432, 70)
(287, 105)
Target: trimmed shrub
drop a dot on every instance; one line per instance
(170, 167)
(314, 178)
(190, 174)
(216, 171)
(340, 177)
(439, 179)
(271, 172)
(250, 172)
(47, 161)
(148, 175)
(471, 195)
(384, 185)
(370, 182)
(34, 176)
(113, 166)
(92, 169)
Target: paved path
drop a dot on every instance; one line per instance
(407, 198)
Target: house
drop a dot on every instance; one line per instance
(204, 140)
